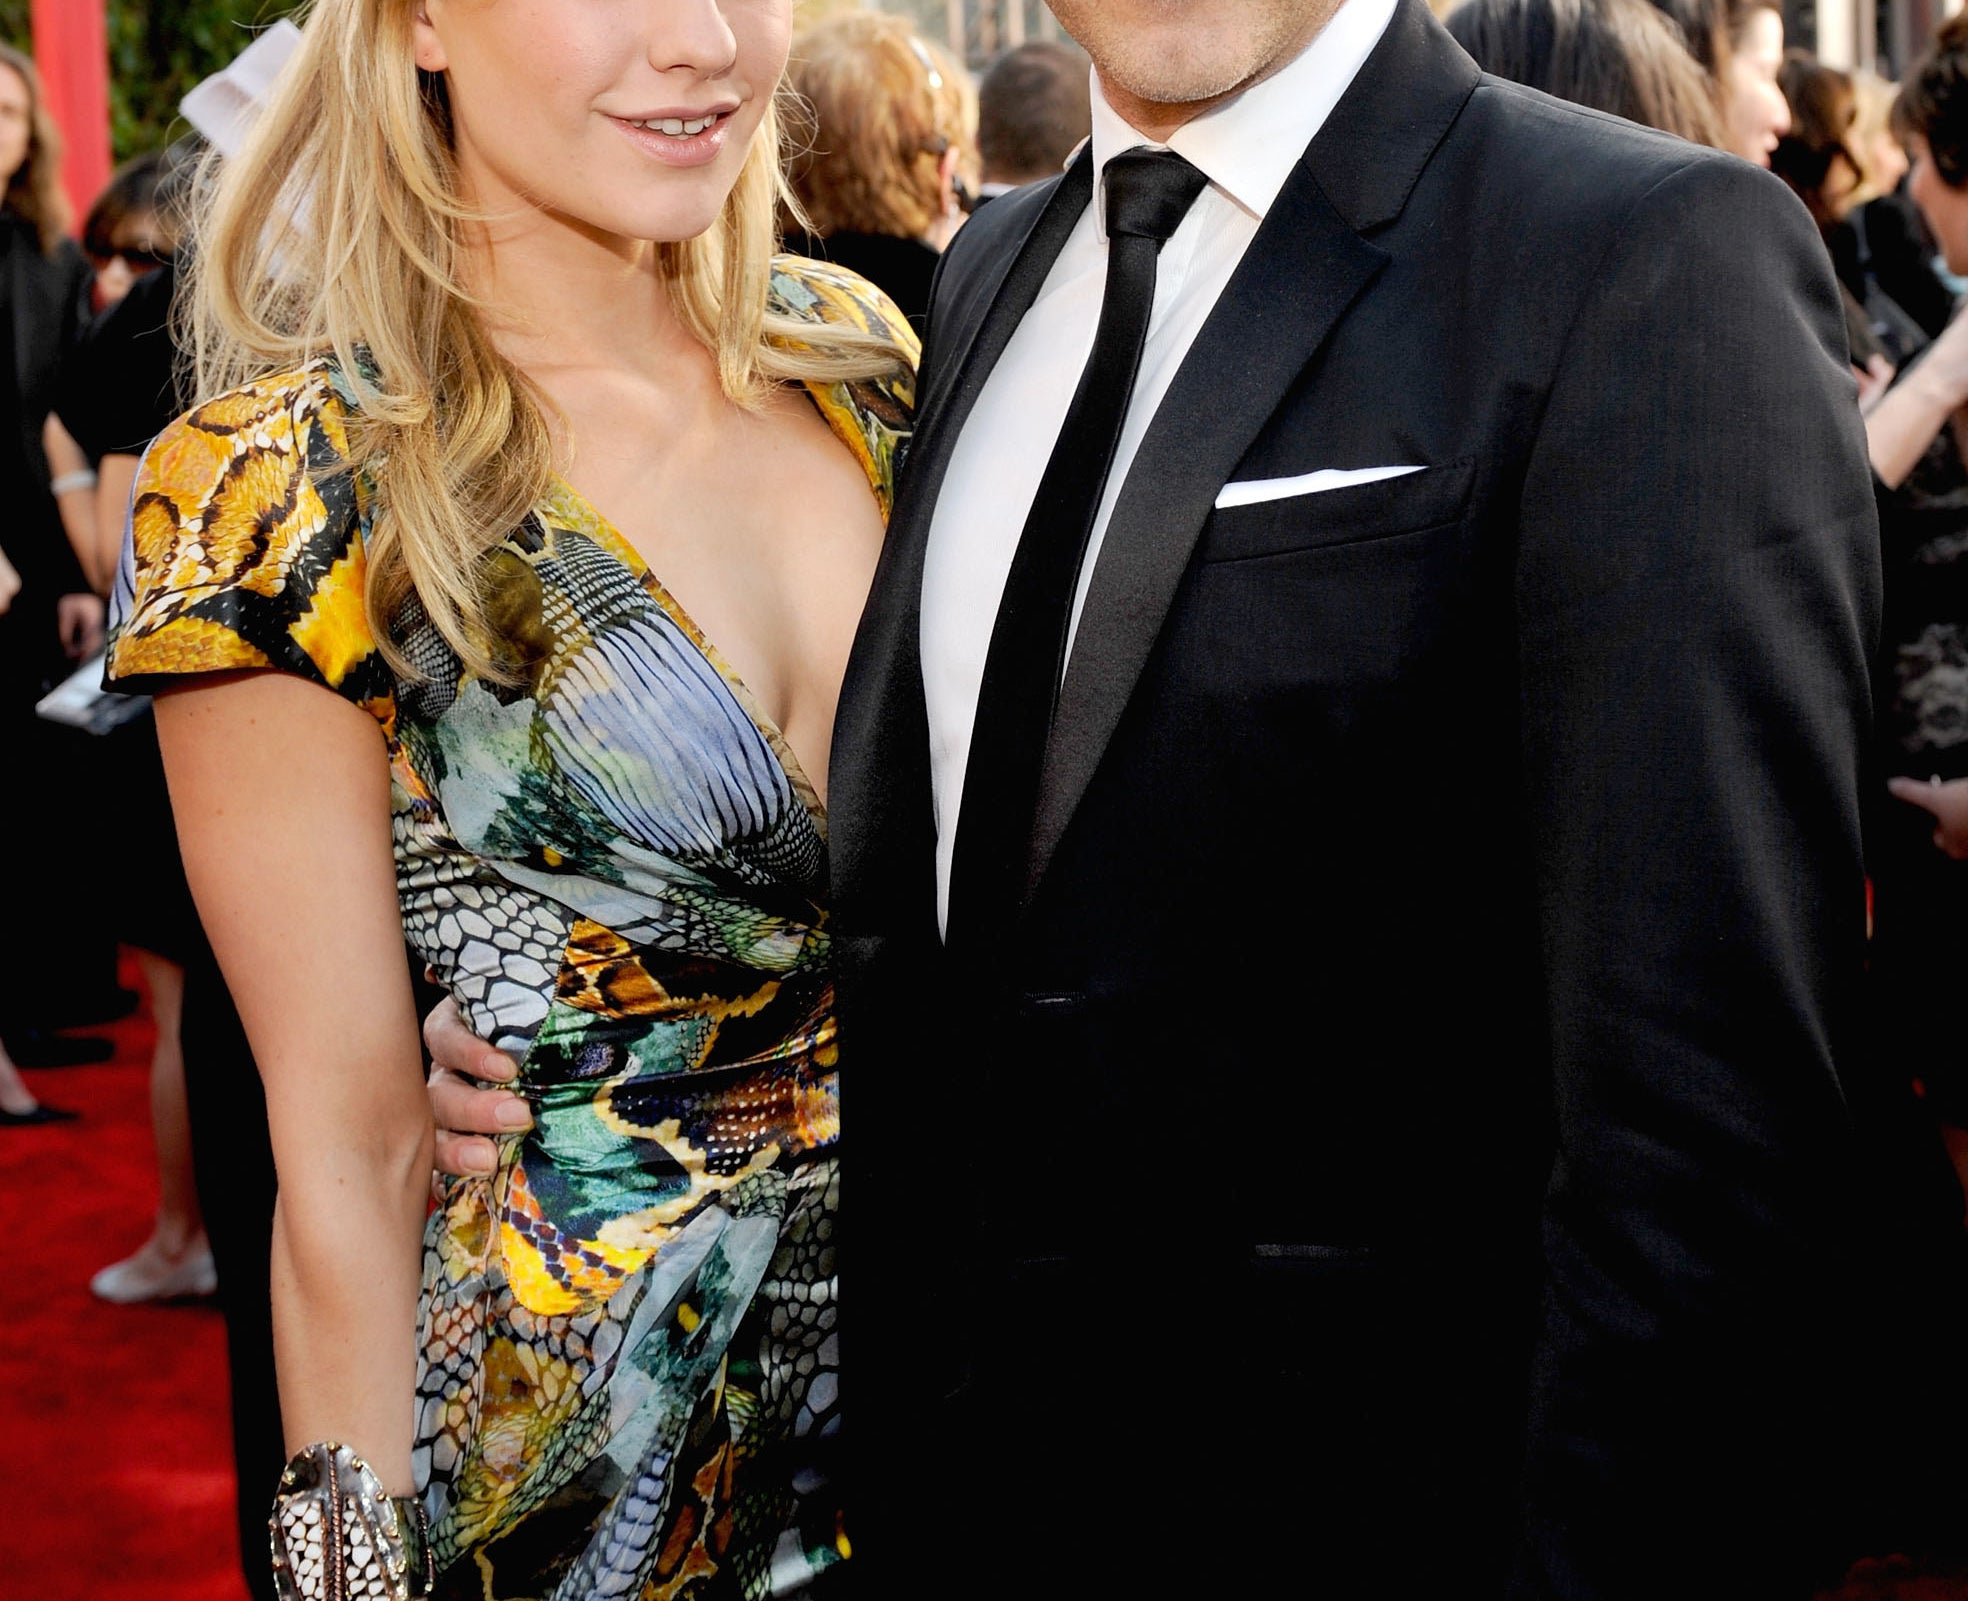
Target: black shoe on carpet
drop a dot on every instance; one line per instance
(36, 1047)
(41, 1114)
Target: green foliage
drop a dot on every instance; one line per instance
(157, 50)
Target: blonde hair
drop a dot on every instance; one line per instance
(1874, 123)
(339, 230)
(878, 106)
(34, 193)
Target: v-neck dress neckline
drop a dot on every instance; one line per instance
(574, 512)
(570, 511)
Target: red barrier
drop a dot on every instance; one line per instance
(71, 49)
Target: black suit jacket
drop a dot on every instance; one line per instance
(1406, 1143)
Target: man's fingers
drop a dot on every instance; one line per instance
(1915, 792)
(443, 1015)
(466, 1114)
(465, 1155)
(461, 1106)
(453, 1045)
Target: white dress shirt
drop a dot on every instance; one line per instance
(1246, 148)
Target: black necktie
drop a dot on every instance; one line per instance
(1148, 193)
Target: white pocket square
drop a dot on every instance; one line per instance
(1253, 490)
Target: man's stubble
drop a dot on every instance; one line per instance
(1163, 62)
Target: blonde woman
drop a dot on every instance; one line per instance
(499, 595)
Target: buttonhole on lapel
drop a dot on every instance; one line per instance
(1311, 1253)
(1050, 1006)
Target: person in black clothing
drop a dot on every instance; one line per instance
(1819, 158)
(1920, 945)
(121, 374)
(1896, 251)
(1891, 246)
(57, 617)
(129, 234)
(887, 161)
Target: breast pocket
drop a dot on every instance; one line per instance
(1383, 509)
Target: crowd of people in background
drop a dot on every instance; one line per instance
(1880, 174)
(897, 144)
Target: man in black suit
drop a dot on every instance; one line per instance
(1345, 842)
(1370, 1119)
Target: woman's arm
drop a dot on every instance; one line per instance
(116, 476)
(1901, 423)
(73, 481)
(281, 792)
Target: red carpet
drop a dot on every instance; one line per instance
(115, 1456)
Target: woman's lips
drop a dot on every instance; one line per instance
(695, 141)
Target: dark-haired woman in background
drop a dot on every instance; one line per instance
(131, 236)
(125, 236)
(1818, 157)
(1814, 155)
(1619, 56)
(1739, 44)
(1754, 108)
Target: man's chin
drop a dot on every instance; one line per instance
(1172, 83)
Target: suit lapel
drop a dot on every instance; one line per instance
(1300, 274)
(1305, 267)
(880, 807)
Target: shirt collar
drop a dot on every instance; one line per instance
(1248, 146)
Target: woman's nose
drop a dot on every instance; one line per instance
(691, 36)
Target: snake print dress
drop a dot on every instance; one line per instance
(627, 1381)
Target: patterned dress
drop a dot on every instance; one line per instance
(627, 1381)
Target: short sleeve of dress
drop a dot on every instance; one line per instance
(245, 548)
(873, 416)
